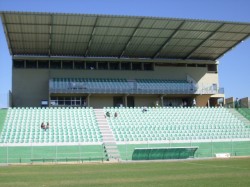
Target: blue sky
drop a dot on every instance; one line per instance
(234, 68)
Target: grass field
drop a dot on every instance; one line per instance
(228, 172)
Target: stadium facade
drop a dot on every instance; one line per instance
(107, 60)
(94, 63)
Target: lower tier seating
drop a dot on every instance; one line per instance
(66, 125)
(79, 125)
(177, 124)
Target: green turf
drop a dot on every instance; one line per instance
(199, 173)
(3, 113)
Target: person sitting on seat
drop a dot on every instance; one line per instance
(108, 114)
(47, 126)
(42, 126)
(144, 109)
(115, 115)
(194, 102)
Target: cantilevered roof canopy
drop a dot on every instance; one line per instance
(53, 34)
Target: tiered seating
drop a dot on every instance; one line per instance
(245, 112)
(90, 84)
(3, 113)
(176, 124)
(106, 85)
(66, 125)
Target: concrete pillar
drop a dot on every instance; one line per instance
(88, 100)
(126, 100)
(162, 98)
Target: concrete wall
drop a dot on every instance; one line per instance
(30, 86)
(244, 102)
(201, 75)
(229, 102)
(146, 100)
(98, 101)
(202, 100)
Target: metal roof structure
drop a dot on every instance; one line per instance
(83, 35)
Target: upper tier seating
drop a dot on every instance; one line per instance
(181, 124)
(66, 125)
(90, 85)
(83, 83)
(102, 85)
(175, 86)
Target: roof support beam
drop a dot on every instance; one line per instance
(100, 26)
(57, 34)
(232, 47)
(63, 44)
(7, 34)
(36, 51)
(50, 34)
(22, 44)
(168, 40)
(204, 41)
(111, 59)
(77, 42)
(130, 38)
(78, 34)
(222, 32)
(91, 36)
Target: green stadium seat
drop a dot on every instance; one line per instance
(22, 125)
(182, 124)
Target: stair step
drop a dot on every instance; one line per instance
(108, 134)
(112, 151)
(115, 155)
(104, 127)
(112, 143)
(105, 130)
(108, 138)
(110, 147)
(108, 141)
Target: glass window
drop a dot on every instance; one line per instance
(125, 66)
(31, 64)
(18, 63)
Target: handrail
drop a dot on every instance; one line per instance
(131, 87)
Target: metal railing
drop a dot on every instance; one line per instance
(53, 153)
(131, 88)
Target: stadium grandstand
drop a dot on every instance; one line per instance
(105, 87)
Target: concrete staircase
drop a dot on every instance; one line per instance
(109, 143)
(239, 116)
